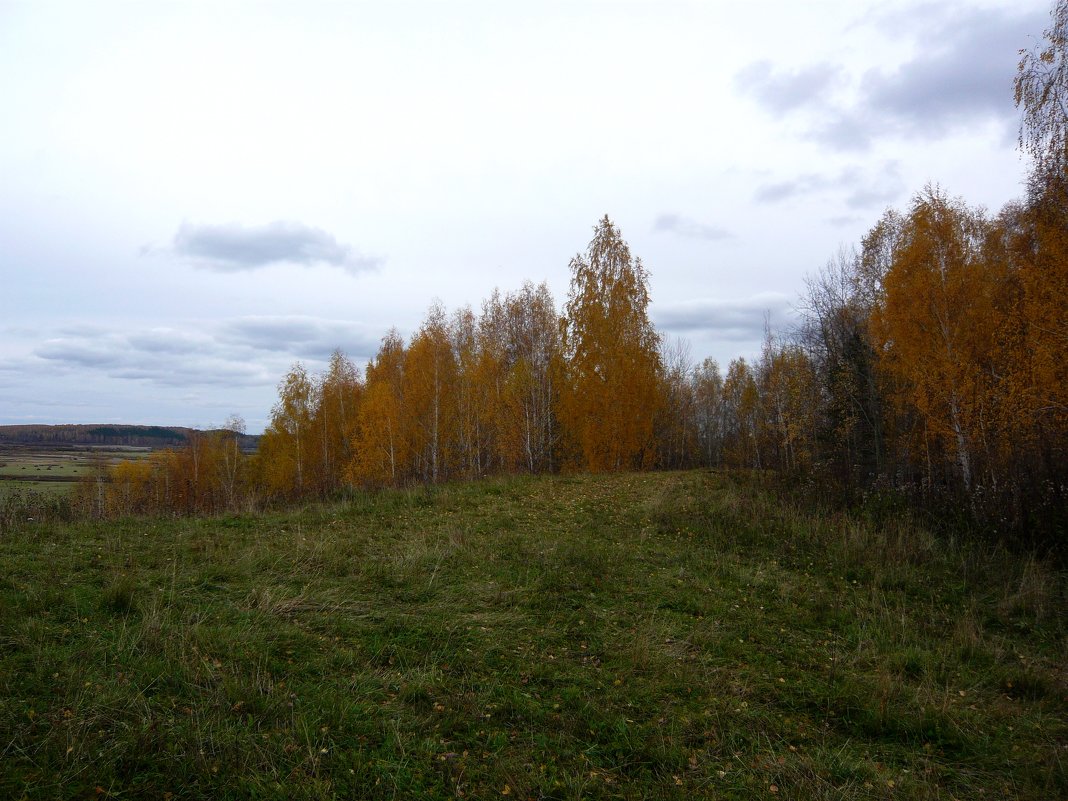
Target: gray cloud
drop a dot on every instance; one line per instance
(734, 320)
(168, 341)
(863, 188)
(846, 219)
(781, 92)
(119, 355)
(243, 352)
(210, 373)
(684, 226)
(961, 75)
(784, 190)
(305, 337)
(94, 354)
(34, 401)
(875, 195)
(850, 130)
(17, 367)
(235, 248)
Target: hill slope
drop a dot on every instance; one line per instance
(637, 636)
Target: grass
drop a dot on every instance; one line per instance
(55, 469)
(640, 636)
(9, 486)
(29, 463)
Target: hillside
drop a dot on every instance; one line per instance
(667, 635)
(108, 435)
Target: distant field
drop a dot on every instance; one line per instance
(678, 635)
(43, 487)
(55, 468)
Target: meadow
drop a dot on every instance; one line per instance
(56, 468)
(659, 635)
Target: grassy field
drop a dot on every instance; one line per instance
(55, 469)
(640, 636)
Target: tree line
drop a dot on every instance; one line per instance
(73, 435)
(930, 360)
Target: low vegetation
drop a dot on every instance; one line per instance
(43, 469)
(38, 480)
(659, 635)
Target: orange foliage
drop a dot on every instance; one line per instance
(612, 390)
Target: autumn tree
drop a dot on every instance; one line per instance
(677, 424)
(1040, 254)
(611, 395)
(936, 328)
(336, 398)
(380, 453)
(740, 410)
(206, 475)
(130, 491)
(430, 372)
(1041, 93)
(531, 355)
(473, 418)
(491, 378)
(789, 399)
(708, 402)
(232, 458)
(835, 334)
(288, 439)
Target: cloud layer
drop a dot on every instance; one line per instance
(733, 320)
(787, 90)
(684, 226)
(247, 351)
(863, 188)
(960, 74)
(232, 248)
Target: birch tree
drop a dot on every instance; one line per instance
(612, 391)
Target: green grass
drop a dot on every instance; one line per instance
(30, 465)
(642, 636)
(13, 487)
(55, 470)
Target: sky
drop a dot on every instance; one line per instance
(194, 196)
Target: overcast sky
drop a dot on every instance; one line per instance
(195, 195)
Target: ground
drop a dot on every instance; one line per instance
(667, 635)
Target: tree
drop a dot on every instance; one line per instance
(788, 395)
(531, 330)
(740, 407)
(430, 396)
(936, 328)
(130, 488)
(380, 440)
(1041, 91)
(472, 417)
(677, 428)
(835, 334)
(286, 441)
(230, 446)
(334, 423)
(708, 399)
(612, 390)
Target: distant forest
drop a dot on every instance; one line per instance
(106, 435)
(930, 365)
